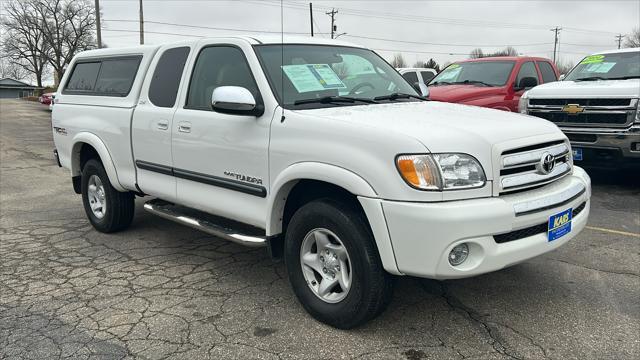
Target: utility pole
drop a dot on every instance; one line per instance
(555, 43)
(141, 25)
(333, 13)
(619, 38)
(98, 29)
(311, 17)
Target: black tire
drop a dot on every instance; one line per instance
(119, 205)
(371, 286)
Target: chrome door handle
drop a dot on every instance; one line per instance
(184, 128)
(163, 125)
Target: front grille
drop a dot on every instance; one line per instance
(522, 168)
(585, 112)
(582, 102)
(532, 230)
(584, 118)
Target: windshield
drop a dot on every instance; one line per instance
(487, 73)
(607, 66)
(314, 72)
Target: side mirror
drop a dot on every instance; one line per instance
(422, 89)
(235, 100)
(561, 77)
(527, 83)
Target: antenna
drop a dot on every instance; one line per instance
(282, 58)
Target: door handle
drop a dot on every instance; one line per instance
(184, 127)
(162, 125)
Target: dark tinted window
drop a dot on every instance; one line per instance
(218, 66)
(527, 69)
(548, 75)
(166, 78)
(107, 77)
(426, 76)
(83, 77)
(411, 77)
(116, 76)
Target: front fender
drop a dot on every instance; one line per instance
(310, 171)
(345, 179)
(91, 139)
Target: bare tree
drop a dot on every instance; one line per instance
(398, 61)
(633, 40)
(564, 66)
(476, 54)
(68, 27)
(419, 64)
(432, 64)
(24, 43)
(10, 69)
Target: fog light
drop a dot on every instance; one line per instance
(458, 254)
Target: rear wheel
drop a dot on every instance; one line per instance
(334, 266)
(108, 209)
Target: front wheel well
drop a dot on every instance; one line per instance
(303, 192)
(306, 191)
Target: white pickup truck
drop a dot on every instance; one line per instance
(597, 106)
(280, 143)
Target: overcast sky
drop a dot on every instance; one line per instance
(443, 30)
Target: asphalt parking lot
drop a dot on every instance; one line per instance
(161, 290)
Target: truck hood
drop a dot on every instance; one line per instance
(600, 88)
(443, 127)
(461, 93)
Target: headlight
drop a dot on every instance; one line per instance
(523, 103)
(441, 171)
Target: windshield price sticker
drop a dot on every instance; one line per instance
(592, 59)
(313, 77)
(602, 67)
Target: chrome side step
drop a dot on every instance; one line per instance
(217, 226)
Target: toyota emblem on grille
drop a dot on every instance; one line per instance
(546, 164)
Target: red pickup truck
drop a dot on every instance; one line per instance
(493, 82)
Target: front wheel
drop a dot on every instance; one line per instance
(108, 209)
(334, 266)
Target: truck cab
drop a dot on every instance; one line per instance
(596, 106)
(493, 82)
(321, 152)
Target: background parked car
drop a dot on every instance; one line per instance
(46, 98)
(494, 82)
(417, 75)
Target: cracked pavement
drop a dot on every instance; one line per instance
(160, 290)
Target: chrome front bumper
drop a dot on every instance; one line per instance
(620, 140)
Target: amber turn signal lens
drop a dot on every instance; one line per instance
(420, 171)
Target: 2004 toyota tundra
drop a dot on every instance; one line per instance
(321, 151)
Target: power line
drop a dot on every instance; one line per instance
(442, 44)
(332, 13)
(212, 27)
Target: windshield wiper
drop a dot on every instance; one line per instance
(591, 78)
(440, 83)
(473, 82)
(395, 96)
(625, 77)
(333, 99)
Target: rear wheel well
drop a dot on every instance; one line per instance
(84, 154)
